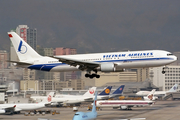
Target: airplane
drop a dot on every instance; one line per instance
(102, 95)
(159, 93)
(69, 99)
(123, 104)
(88, 94)
(151, 96)
(87, 115)
(104, 62)
(17, 107)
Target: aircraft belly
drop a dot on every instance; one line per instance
(64, 68)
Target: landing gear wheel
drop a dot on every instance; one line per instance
(97, 76)
(163, 72)
(87, 75)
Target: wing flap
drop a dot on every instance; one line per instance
(82, 65)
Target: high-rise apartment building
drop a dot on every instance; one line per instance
(32, 38)
(167, 80)
(3, 58)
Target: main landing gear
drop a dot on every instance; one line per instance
(88, 74)
(163, 70)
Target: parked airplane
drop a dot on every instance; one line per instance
(87, 115)
(103, 95)
(104, 62)
(69, 99)
(123, 104)
(17, 107)
(159, 93)
(151, 96)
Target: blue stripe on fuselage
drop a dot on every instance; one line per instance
(45, 67)
(48, 67)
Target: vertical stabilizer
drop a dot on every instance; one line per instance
(106, 91)
(174, 88)
(49, 97)
(23, 50)
(94, 103)
(119, 90)
(150, 96)
(90, 92)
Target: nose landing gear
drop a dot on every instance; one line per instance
(163, 70)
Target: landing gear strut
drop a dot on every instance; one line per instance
(88, 74)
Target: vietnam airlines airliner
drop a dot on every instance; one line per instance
(104, 62)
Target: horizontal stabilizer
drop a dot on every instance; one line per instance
(20, 63)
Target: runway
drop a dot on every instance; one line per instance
(161, 110)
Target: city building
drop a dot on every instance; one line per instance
(126, 76)
(167, 80)
(142, 74)
(77, 84)
(3, 58)
(64, 51)
(29, 85)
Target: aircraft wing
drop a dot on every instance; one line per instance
(8, 108)
(82, 65)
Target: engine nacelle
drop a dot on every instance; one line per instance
(123, 107)
(109, 67)
(2, 111)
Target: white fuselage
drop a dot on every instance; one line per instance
(118, 103)
(157, 93)
(130, 59)
(24, 106)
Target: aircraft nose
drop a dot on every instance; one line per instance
(174, 58)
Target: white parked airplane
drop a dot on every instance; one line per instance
(69, 99)
(73, 99)
(127, 104)
(123, 104)
(159, 93)
(104, 62)
(17, 107)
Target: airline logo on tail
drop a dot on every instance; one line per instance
(49, 98)
(150, 97)
(107, 91)
(22, 48)
(175, 88)
(91, 91)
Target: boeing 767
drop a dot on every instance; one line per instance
(104, 62)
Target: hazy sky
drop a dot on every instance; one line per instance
(96, 25)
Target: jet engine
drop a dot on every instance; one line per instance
(109, 67)
(123, 107)
(2, 111)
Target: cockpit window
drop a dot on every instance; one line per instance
(169, 54)
(76, 114)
